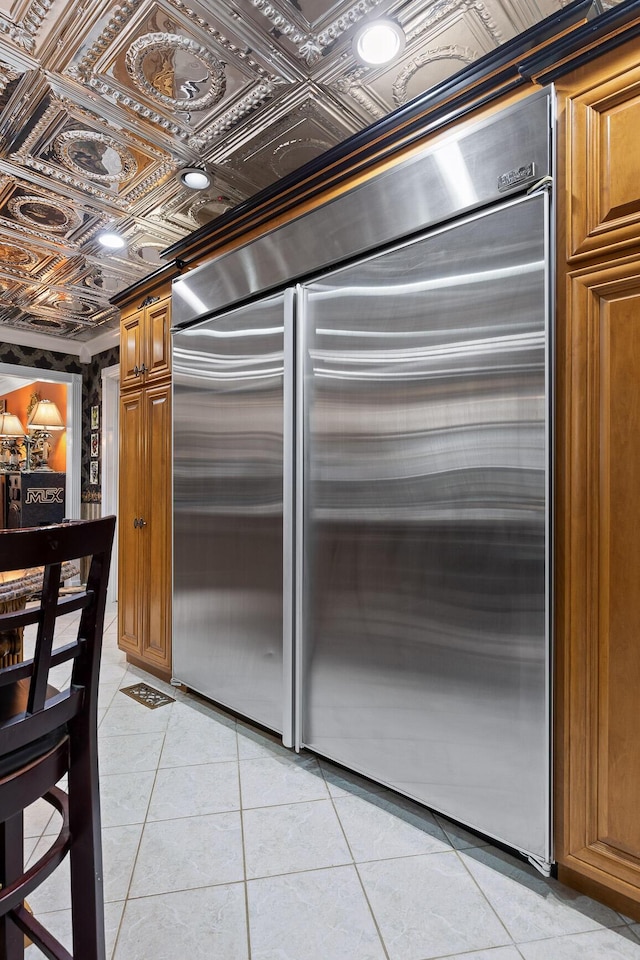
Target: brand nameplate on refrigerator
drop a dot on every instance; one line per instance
(513, 178)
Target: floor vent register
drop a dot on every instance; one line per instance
(147, 695)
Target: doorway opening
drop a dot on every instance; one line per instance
(13, 377)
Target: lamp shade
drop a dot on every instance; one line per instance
(11, 426)
(45, 416)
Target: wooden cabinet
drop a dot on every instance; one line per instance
(599, 833)
(144, 590)
(604, 186)
(597, 633)
(145, 344)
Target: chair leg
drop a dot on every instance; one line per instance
(87, 895)
(11, 866)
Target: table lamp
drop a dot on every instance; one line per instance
(43, 419)
(12, 434)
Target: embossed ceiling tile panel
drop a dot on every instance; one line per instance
(308, 29)
(37, 323)
(69, 307)
(102, 280)
(289, 141)
(91, 279)
(75, 148)
(43, 217)
(171, 69)
(175, 207)
(436, 54)
(22, 259)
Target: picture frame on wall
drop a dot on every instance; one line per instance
(93, 472)
(3, 406)
(95, 444)
(95, 417)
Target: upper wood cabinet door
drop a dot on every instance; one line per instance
(604, 163)
(158, 341)
(131, 348)
(599, 569)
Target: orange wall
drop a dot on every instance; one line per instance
(18, 401)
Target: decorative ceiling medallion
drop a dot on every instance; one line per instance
(46, 323)
(80, 308)
(95, 155)
(148, 253)
(175, 71)
(103, 282)
(16, 256)
(38, 212)
(295, 153)
(452, 52)
(207, 209)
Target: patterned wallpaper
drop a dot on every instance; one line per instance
(91, 396)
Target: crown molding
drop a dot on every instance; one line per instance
(83, 350)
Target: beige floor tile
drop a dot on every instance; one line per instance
(190, 853)
(190, 925)
(293, 837)
(319, 915)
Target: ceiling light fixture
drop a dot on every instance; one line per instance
(111, 240)
(379, 41)
(194, 178)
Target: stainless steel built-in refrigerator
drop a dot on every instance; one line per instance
(361, 530)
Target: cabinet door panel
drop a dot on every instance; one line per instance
(602, 653)
(131, 499)
(158, 341)
(604, 174)
(156, 534)
(131, 336)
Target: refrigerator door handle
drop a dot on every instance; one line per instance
(300, 427)
(288, 523)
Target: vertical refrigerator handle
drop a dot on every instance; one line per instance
(288, 521)
(301, 412)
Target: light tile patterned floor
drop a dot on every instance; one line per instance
(219, 843)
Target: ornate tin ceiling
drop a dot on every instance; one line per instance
(101, 103)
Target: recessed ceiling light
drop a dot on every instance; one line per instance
(194, 178)
(379, 41)
(111, 240)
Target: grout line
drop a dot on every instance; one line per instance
(355, 866)
(485, 895)
(127, 896)
(244, 854)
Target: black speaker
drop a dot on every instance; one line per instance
(35, 499)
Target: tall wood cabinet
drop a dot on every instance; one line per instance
(598, 473)
(144, 563)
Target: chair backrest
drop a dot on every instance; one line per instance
(49, 548)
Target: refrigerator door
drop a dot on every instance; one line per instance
(228, 381)
(425, 649)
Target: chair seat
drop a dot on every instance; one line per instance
(13, 702)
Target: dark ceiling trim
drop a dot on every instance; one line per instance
(164, 274)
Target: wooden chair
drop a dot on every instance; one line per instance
(46, 734)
